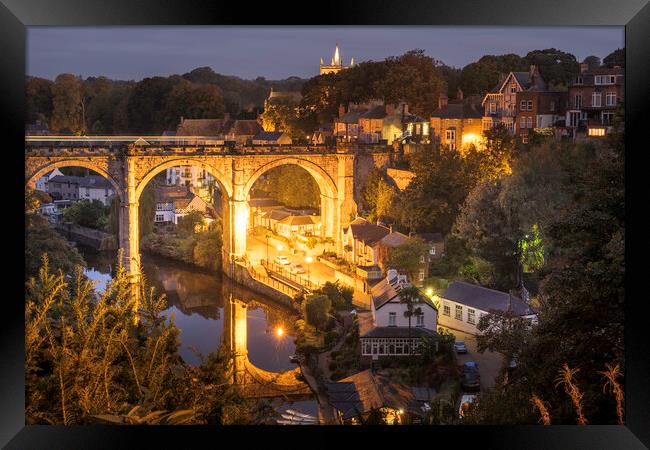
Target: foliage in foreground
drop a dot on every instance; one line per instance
(87, 360)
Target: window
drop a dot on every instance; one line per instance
(392, 319)
(530, 122)
(421, 275)
(530, 105)
(471, 316)
(159, 217)
(578, 101)
(493, 107)
(522, 123)
(596, 132)
(539, 121)
(608, 118)
(605, 79)
(433, 250)
(422, 259)
(524, 138)
(551, 106)
(513, 89)
(596, 99)
(522, 105)
(610, 98)
(420, 320)
(446, 309)
(450, 135)
(578, 80)
(459, 312)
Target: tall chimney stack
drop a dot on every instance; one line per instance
(442, 100)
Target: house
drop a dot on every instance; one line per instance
(92, 187)
(457, 123)
(346, 126)
(203, 131)
(436, 251)
(416, 129)
(500, 104)
(42, 182)
(390, 241)
(391, 334)
(243, 131)
(294, 225)
(272, 138)
(322, 135)
(272, 218)
(372, 122)
(463, 304)
(174, 202)
(593, 98)
(361, 241)
(539, 110)
(353, 398)
(260, 206)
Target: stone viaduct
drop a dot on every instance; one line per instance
(130, 167)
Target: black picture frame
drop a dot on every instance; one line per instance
(15, 15)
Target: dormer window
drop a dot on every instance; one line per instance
(578, 80)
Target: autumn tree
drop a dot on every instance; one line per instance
(67, 93)
(556, 67)
(481, 76)
(405, 258)
(39, 98)
(192, 100)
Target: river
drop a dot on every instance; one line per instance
(196, 300)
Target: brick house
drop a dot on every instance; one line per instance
(593, 98)
(500, 104)
(458, 122)
(361, 242)
(538, 110)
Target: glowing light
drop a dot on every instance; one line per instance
(471, 138)
(401, 411)
(429, 292)
(279, 331)
(279, 247)
(309, 260)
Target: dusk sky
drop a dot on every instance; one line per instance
(133, 53)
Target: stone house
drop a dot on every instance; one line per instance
(463, 304)
(457, 123)
(360, 242)
(243, 131)
(272, 138)
(174, 202)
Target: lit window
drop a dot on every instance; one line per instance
(596, 132)
(421, 275)
(459, 312)
(421, 259)
(433, 250)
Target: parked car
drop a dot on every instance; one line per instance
(297, 268)
(471, 377)
(465, 401)
(282, 260)
(460, 347)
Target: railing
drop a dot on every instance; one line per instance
(293, 277)
(275, 284)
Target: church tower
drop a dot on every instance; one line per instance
(336, 63)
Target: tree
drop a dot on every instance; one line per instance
(207, 251)
(316, 310)
(87, 213)
(483, 75)
(410, 296)
(593, 62)
(66, 100)
(291, 185)
(187, 225)
(616, 58)
(405, 258)
(147, 210)
(378, 197)
(146, 105)
(196, 101)
(39, 99)
(556, 67)
(340, 295)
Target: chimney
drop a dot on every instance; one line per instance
(390, 109)
(341, 110)
(584, 67)
(442, 100)
(391, 228)
(459, 94)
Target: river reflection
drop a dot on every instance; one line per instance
(196, 300)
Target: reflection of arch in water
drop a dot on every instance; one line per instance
(255, 381)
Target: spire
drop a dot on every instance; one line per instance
(321, 60)
(352, 62)
(337, 58)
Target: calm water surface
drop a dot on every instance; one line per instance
(196, 301)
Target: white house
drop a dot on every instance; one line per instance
(391, 334)
(42, 182)
(174, 202)
(463, 304)
(95, 187)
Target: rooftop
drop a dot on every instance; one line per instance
(462, 110)
(203, 127)
(386, 290)
(367, 232)
(268, 135)
(399, 332)
(485, 299)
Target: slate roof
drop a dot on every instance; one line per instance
(277, 214)
(367, 232)
(394, 239)
(351, 117)
(203, 127)
(372, 391)
(485, 299)
(268, 136)
(298, 220)
(458, 111)
(92, 181)
(169, 193)
(260, 202)
(376, 112)
(399, 332)
(384, 291)
(245, 128)
(412, 118)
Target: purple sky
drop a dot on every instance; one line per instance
(132, 53)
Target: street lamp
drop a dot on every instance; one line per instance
(267, 248)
